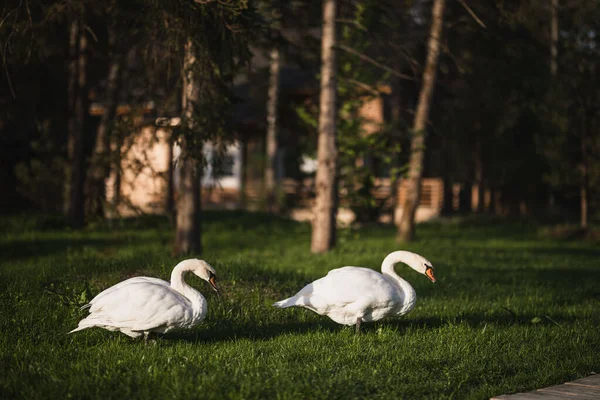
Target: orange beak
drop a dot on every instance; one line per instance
(429, 273)
(213, 283)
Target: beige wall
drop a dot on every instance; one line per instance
(144, 166)
(372, 112)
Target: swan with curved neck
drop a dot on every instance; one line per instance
(352, 295)
(142, 305)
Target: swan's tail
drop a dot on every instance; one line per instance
(289, 302)
(79, 328)
(84, 324)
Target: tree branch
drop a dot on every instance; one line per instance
(351, 22)
(364, 86)
(376, 63)
(470, 11)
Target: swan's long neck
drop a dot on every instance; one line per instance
(178, 283)
(387, 269)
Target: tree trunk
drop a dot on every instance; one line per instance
(447, 208)
(395, 117)
(170, 202)
(406, 230)
(76, 211)
(72, 92)
(188, 233)
(584, 187)
(584, 205)
(325, 209)
(554, 39)
(553, 69)
(243, 198)
(271, 176)
(170, 206)
(479, 174)
(493, 208)
(100, 168)
(465, 198)
(71, 122)
(116, 164)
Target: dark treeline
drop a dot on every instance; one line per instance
(513, 112)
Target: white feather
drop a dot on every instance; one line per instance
(350, 295)
(141, 305)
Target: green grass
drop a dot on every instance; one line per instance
(511, 312)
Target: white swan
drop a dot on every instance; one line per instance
(141, 305)
(351, 295)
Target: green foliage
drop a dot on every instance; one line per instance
(570, 142)
(220, 33)
(507, 305)
(367, 149)
(359, 156)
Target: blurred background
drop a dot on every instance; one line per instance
(104, 103)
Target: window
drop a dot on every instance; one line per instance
(224, 166)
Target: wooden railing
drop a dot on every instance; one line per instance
(432, 191)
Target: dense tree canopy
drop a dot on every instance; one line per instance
(501, 119)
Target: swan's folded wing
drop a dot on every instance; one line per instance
(142, 306)
(136, 279)
(349, 284)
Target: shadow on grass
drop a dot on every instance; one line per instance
(26, 248)
(240, 229)
(569, 251)
(221, 229)
(227, 332)
(480, 228)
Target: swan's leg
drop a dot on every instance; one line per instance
(150, 337)
(358, 321)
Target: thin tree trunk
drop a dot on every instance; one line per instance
(170, 206)
(271, 176)
(396, 116)
(76, 213)
(116, 165)
(325, 209)
(100, 168)
(465, 198)
(447, 208)
(71, 98)
(479, 174)
(170, 202)
(493, 208)
(242, 198)
(188, 233)
(554, 39)
(406, 230)
(72, 86)
(553, 67)
(584, 205)
(584, 187)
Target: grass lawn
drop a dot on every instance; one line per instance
(510, 312)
